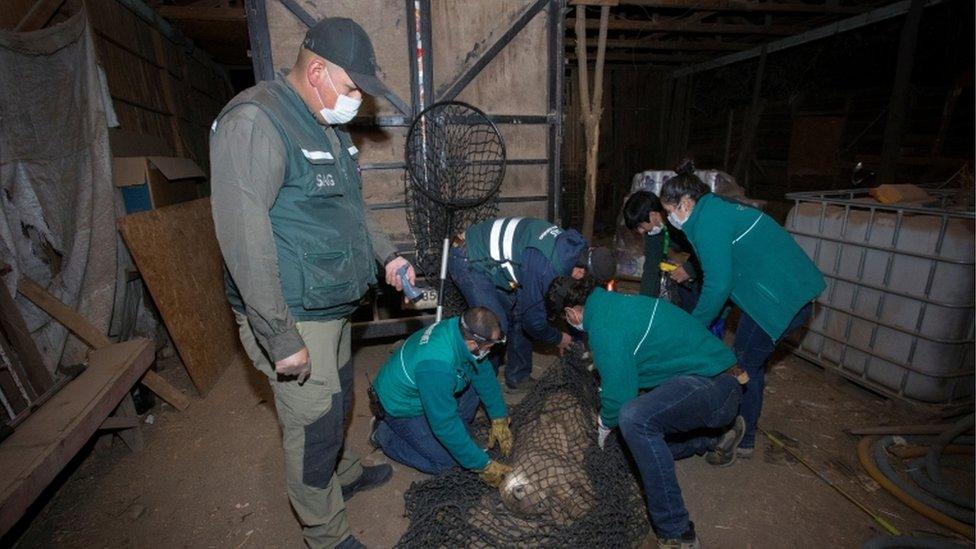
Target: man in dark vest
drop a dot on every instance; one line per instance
(300, 253)
(506, 266)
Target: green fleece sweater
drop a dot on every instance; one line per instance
(746, 256)
(425, 376)
(640, 342)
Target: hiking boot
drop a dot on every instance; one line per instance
(744, 453)
(688, 540)
(523, 386)
(373, 476)
(724, 452)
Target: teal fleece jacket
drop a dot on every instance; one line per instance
(425, 376)
(639, 342)
(746, 256)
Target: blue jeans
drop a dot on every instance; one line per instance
(479, 291)
(683, 416)
(752, 348)
(410, 441)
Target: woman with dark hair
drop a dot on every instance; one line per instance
(749, 258)
(643, 213)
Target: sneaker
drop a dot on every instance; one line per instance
(688, 540)
(523, 386)
(373, 476)
(744, 453)
(373, 424)
(724, 452)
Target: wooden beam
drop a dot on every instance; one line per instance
(13, 325)
(898, 103)
(88, 333)
(40, 13)
(684, 45)
(591, 111)
(610, 3)
(165, 390)
(191, 13)
(703, 28)
(851, 23)
(648, 58)
(747, 6)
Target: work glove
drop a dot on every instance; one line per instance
(494, 473)
(501, 434)
(602, 432)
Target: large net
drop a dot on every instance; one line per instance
(563, 491)
(455, 160)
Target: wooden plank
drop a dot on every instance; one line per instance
(77, 324)
(703, 28)
(164, 390)
(41, 446)
(40, 13)
(747, 6)
(683, 45)
(176, 251)
(131, 436)
(12, 324)
(86, 331)
(118, 422)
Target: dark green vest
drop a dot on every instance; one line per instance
(325, 257)
(495, 246)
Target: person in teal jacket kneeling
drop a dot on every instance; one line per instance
(428, 391)
(642, 343)
(746, 257)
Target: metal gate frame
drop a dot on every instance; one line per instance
(421, 91)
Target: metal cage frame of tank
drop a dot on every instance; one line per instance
(850, 199)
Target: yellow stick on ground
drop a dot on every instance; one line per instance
(877, 518)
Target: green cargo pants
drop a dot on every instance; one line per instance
(313, 417)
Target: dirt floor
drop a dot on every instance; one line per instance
(212, 476)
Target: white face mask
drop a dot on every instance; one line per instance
(480, 355)
(675, 220)
(576, 326)
(654, 231)
(345, 108)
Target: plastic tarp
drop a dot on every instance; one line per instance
(628, 244)
(57, 204)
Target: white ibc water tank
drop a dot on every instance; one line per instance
(897, 314)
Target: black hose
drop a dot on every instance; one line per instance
(881, 459)
(935, 452)
(909, 542)
(916, 470)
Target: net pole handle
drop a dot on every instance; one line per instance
(440, 294)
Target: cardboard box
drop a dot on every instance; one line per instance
(150, 182)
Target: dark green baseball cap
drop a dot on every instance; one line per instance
(343, 42)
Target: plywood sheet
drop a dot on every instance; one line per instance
(177, 254)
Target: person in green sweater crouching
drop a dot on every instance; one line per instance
(691, 402)
(427, 394)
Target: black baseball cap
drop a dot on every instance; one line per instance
(343, 42)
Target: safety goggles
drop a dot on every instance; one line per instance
(480, 339)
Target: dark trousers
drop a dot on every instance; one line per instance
(479, 291)
(682, 417)
(752, 348)
(410, 441)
